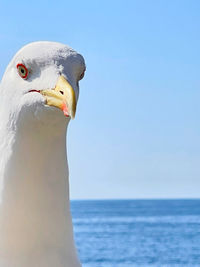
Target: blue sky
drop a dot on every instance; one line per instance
(137, 130)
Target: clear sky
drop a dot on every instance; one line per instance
(137, 129)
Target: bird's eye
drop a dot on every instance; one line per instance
(82, 75)
(22, 70)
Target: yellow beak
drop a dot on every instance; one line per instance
(62, 97)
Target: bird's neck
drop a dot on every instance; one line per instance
(35, 220)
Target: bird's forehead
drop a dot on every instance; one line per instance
(41, 52)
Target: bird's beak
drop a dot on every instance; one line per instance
(62, 97)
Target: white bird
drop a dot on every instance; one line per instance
(40, 84)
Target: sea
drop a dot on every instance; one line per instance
(133, 233)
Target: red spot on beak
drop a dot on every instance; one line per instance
(65, 109)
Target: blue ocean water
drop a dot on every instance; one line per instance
(118, 233)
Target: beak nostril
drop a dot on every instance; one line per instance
(62, 92)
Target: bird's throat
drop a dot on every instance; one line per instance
(35, 220)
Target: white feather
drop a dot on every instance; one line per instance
(35, 221)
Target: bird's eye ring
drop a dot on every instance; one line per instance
(82, 75)
(22, 70)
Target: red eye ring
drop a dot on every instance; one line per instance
(82, 75)
(22, 70)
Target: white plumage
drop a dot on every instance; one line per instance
(35, 221)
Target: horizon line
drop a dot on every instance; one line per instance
(117, 199)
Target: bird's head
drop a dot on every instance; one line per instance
(42, 81)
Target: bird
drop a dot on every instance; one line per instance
(39, 92)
